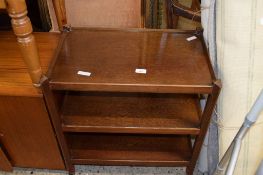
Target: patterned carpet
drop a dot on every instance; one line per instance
(104, 170)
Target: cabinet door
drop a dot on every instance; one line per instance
(28, 136)
(5, 165)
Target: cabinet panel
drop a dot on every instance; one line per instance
(28, 134)
(5, 165)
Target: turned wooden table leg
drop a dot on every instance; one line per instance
(23, 30)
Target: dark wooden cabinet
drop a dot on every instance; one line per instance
(115, 116)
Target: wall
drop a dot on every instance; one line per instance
(240, 63)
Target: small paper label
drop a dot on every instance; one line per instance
(191, 38)
(84, 73)
(140, 71)
(261, 21)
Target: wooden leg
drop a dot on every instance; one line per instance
(169, 14)
(23, 30)
(205, 120)
(72, 170)
(175, 21)
(172, 18)
(195, 5)
(60, 11)
(5, 165)
(143, 15)
(57, 124)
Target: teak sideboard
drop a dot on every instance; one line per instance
(115, 116)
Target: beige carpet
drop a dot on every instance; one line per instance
(104, 170)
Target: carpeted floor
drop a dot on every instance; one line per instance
(104, 170)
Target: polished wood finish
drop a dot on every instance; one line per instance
(133, 108)
(143, 13)
(52, 104)
(5, 164)
(2, 4)
(60, 10)
(27, 133)
(172, 18)
(121, 149)
(14, 78)
(173, 64)
(131, 113)
(23, 30)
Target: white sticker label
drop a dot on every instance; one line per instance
(191, 38)
(261, 21)
(84, 73)
(140, 71)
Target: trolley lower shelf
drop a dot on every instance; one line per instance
(123, 149)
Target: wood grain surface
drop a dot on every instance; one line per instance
(173, 64)
(122, 149)
(2, 4)
(14, 78)
(131, 113)
(27, 133)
